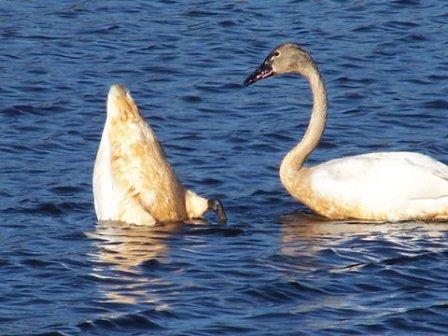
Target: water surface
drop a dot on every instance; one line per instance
(275, 269)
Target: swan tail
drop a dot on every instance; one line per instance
(120, 102)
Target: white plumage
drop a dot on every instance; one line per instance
(132, 180)
(391, 186)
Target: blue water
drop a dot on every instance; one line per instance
(275, 269)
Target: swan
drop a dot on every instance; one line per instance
(132, 180)
(388, 186)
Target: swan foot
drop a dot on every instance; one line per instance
(216, 206)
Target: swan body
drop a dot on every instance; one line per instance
(132, 180)
(379, 186)
(391, 186)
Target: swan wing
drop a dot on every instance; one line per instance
(382, 176)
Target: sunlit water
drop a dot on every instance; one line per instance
(275, 269)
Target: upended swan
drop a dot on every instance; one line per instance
(132, 180)
(390, 186)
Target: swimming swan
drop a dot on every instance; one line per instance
(132, 180)
(391, 186)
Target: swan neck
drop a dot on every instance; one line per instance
(294, 160)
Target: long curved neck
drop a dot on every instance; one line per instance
(293, 161)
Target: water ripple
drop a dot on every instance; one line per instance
(275, 269)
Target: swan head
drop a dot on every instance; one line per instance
(285, 58)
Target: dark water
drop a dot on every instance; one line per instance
(275, 270)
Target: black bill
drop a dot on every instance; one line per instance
(262, 72)
(217, 207)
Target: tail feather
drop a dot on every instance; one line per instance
(117, 91)
(119, 101)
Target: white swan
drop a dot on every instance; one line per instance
(132, 180)
(392, 186)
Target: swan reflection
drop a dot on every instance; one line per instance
(124, 253)
(309, 233)
(299, 225)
